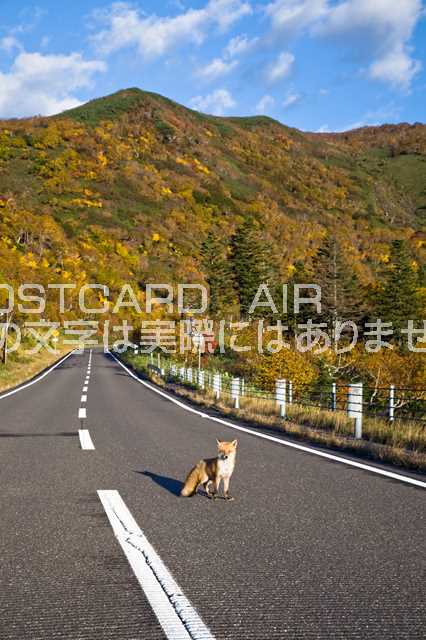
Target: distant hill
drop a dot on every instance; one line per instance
(131, 186)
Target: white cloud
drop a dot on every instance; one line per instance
(378, 30)
(292, 16)
(396, 67)
(44, 84)
(266, 103)
(216, 69)
(216, 103)
(239, 45)
(323, 129)
(291, 98)
(281, 67)
(154, 36)
(9, 44)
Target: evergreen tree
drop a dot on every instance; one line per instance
(340, 294)
(251, 263)
(397, 299)
(219, 274)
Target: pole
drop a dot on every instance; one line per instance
(392, 403)
(280, 393)
(355, 407)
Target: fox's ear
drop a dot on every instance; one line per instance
(234, 443)
(218, 442)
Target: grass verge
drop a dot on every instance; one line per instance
(21, 367)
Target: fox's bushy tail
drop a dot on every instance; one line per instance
(191, 483)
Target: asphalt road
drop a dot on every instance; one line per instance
(310, 548)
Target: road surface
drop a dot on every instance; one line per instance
(310, 548)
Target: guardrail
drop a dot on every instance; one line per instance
(353, 400)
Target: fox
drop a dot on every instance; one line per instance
(213, 470)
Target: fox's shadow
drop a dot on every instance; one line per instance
(171, 485)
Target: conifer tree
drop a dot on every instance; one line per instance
(251, 263)
(397, 300)
(340, 294)
(219, 274)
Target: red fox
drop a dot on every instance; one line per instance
(213, 470)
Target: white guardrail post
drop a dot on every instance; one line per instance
(201, 379)
(355, 407)
(216, 385)
(189, 375)
(392, 403)
(235, 392)
(333, 397)
(280, 393)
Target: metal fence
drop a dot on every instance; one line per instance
(392, 404)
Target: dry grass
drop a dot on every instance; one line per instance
(401, 444)
(21, 367)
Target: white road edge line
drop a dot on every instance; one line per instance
(286, 443)
(86, 442)
(175, 613)
(82, 415)
(40, 377)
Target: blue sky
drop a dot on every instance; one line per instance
(317, 65)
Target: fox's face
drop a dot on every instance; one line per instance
(226, 449)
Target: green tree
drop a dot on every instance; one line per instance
(397, 299)
(219, 274)
(251, 263)
(340, 291)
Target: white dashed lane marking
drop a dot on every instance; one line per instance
(85, 440)
(83, 398)
(82, 414)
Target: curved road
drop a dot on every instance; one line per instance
(309, 549)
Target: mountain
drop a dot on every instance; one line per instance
(132, 186)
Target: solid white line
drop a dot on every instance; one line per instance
(85, 389)
(83, 399)
(286, 443)
(40, 377)
(175, 613)
(85, 440)
(82, 413)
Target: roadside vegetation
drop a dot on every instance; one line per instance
(20, 367)
(401, 443)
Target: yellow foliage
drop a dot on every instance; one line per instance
(186, 194)
(28, 260)
(121, 250)
(103, 161)
(180, 160)
(201, 167)
(287, 364)
(156, 237)
(83, 202)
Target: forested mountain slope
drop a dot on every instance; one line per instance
(135, 188)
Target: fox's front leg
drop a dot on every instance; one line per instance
(216, 487)
(207, 489)
(226, 489)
